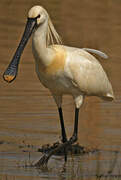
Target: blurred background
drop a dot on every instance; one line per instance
(28, 114)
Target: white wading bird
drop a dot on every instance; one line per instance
(61, 69)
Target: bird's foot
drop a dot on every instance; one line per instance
(63, 140)
(58, 149)
(44, 159)
(62, 149)
(47, 147)
(73, 139)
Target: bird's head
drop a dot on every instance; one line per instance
(36, 16)
(39, 14)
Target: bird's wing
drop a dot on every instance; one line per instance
(87, 74)
(99, 53)
(89, 50)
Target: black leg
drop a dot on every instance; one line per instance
(75, 132)
(63, 132)
(65, 144)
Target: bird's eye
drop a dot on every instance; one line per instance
(38, 16)
(35, 18)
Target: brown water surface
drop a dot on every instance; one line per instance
(28, 114)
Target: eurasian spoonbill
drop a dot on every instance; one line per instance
(61, 69)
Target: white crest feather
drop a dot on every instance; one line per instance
(52, 35)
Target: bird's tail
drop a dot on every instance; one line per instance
(108, 97)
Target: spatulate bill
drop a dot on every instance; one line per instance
(12, 70)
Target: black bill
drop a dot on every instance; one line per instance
(11, 72)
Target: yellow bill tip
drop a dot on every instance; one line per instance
(8, 78)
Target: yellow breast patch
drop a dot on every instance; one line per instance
(58, 61)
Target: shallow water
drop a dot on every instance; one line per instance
(28, 114)
(96, 165)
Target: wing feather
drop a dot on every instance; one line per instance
(88, 75)
(99, 53)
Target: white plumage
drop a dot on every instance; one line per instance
(67, 70)
(61, 69)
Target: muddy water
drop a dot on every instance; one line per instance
(28, 114)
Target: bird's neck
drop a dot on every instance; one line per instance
(41, 52)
